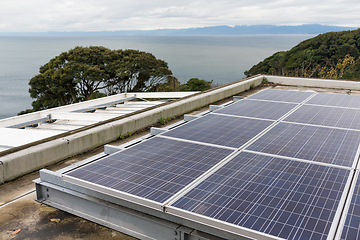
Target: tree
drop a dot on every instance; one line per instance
(172, 85)
(195, 84)
(83, 73)
(140, 71)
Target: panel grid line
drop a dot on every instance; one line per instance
(337, 100)
(348, 227)
(329, 145)
(326, 117)
(257, 109)
(230, 115)
(220, 186)
(241, 207)
(221, 130)
(263, 100)
(260, 163)
(297, 159)
(155, 169)
(196, 142)
(322, 126)
(330, 106)
(281, 95)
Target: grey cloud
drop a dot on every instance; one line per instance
(81, 15)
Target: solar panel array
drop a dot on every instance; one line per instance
(276, 164)
(155, 170)
(258, 109)
(314, 143)
(352, 222)
(327, 116)
(336, 100)
(222, 130)
(284, 198)
(281, 96)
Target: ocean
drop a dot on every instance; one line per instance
(222, 59)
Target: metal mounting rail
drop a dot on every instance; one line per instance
(31, 122)
(108, 104)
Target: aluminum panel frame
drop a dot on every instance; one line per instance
(118, 194)
(238, 230)
(124, 219)
(243, 231)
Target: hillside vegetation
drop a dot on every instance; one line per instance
(334, 55)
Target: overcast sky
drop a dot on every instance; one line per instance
(99, 15)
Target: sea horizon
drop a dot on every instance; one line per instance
(221, 58)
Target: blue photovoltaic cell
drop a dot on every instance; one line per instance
(258, 109)
(336, 100)
(155, 169)
(320, 144)
(221, 130)
(281, 95)
(326, 116)
(284, 198)
(351, 229)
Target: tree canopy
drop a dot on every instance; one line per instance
(331, 55)
(193, 84)
(84, 73)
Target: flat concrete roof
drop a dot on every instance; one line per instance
(18, 210)
(26, 129)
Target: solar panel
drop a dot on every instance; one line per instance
(155, 169)
(351, 229)
(270, 189)
(284, 198)
(281, 95)
(258, 109)
(320, 144)
(326, 116)
(336, 100)
(221, 130)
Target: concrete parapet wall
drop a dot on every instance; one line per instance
(314, 82)
(33, 158)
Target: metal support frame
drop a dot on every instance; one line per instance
(129, 221)
(122, 219)
(109, 149)
(136, 218)
(214, 107)
(155, 131)
(31, 122)
(103, 106)
(121, 215)
(237, 98)
(188, 118)
(126, 216)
